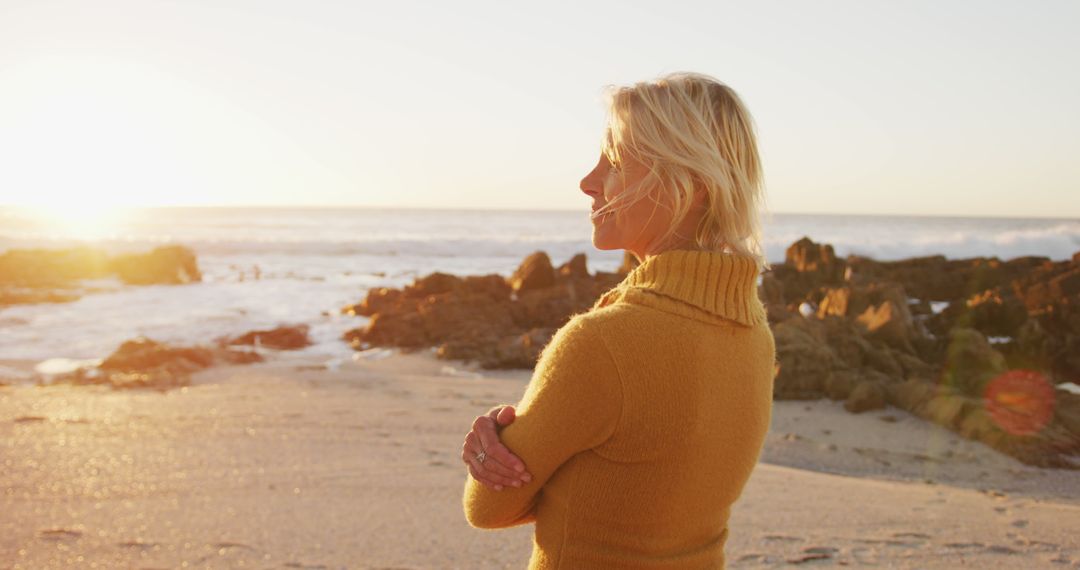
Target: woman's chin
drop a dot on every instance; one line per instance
(600, 242)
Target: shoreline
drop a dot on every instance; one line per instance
(287, 462)
(887, 444)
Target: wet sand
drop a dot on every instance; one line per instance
(287, 464)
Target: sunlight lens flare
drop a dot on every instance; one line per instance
(85, 221)
(1021, 402)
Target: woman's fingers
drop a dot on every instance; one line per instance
(508, 463)
(487, 472)
(504, 416)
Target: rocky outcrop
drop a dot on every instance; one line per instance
(168, 265)
(285, 337)
(864, 332)
(807, 266)
(535, 272)
(865, 342)
(496, 321)
(145, 363)
(52, 276)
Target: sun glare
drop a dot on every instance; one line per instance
(83, 221)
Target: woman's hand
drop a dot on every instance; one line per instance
(498, 467)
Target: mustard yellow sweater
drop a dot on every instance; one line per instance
(642, 421)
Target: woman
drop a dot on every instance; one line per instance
(646, 414)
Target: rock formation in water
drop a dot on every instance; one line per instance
(52, 276)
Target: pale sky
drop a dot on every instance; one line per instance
(933, 108)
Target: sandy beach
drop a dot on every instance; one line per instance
(288, 464)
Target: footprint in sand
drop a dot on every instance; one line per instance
(58, 534)
(1019, 523)
(964, 545)
(808, 558)
(888, 542)
(223, 545)
(918, 535)
(783, 538)
(1028, 544)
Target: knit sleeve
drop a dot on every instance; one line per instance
(572, 404)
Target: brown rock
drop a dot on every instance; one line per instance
(535, 272)
(911, 395)
(172, 265)
(846, 339)
(806, 362)
(935, 278)
(809, 257)
(996, 312)
(492, 285)
(378, 300)
(433, 284)
(866, 396)
(835, 302)
(280, 338)
(404, 329)
(144, 363)
(839, 384)
(882, 359)
(576, 268)
(1046, 285)
(457, 316)
(890, 323)
(143, 353)
(808, 267)
(551, 306)
(912, 366)
(971, 362)
(771, 290)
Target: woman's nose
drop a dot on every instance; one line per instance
(589, 184)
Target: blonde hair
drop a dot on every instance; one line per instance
(692, 132)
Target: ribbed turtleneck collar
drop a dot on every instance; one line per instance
(715, 283)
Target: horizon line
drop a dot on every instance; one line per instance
(504, 209)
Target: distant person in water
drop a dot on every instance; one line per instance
(646, 414)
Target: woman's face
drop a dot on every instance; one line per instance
(638, 225)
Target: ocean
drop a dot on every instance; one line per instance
(312, 261)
